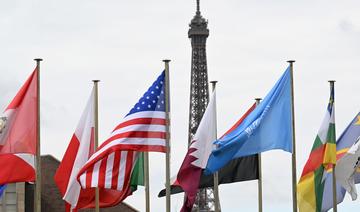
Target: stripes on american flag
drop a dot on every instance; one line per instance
(142, 129)
(111, 172)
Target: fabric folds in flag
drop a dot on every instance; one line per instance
(347, 169)
(323, 155)
(198, 153)
(138, 173)
(111, 172)
(267, 127)
(237, 170)
(81, 147)
(343, 144)
(113, 165)
(18, 134)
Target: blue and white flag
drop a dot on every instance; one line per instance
(348, 166)
(267, 127)
(344, 143)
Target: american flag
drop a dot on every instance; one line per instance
(143, 129)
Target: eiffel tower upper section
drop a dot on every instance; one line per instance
(199, 89)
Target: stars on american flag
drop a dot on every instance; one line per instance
(153, 99)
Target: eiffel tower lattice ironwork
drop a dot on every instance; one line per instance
(199, 94)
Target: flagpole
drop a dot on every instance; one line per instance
(167, 114)
(294, 189)
(260, 200)
(147, 185)
(332, 87)
(37, 205)
(216, 174)
(96, 135)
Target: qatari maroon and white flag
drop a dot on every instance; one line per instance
(198, 154)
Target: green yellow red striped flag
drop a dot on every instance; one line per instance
(322, 156)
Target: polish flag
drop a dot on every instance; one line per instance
(80, 149)
(18, 134)
(197, 156)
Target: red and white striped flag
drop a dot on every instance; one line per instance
(111, 172)
(143, 129)
(18, 135)
(81, 147)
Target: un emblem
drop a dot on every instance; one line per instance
(2, 123)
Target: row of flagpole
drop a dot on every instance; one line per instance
(147, 190)
(37, 192)
(294, 182)
(37, 195)
(294, 177)
(37, 205)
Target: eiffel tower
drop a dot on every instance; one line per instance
(199, 94)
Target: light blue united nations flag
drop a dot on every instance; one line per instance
(267, 127)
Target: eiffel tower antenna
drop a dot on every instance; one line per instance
(199, 93)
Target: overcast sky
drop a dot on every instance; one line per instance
(122, 43)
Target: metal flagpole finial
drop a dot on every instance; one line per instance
(95, 81)
(332, 83)
(38, 59)
(291, 61)
(258, 99)
(166, 60)
(213, 83)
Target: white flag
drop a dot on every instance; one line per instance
(346, 169)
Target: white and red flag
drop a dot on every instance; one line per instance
(81, 147)
(18, 134)
(198, 154)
